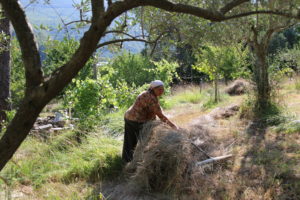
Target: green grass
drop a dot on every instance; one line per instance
(63, 159)
(288, 127)
(188, 95)
(297, 84)
(113, 123)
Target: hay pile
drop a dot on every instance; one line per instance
(222, 113)
(163, 165)
(161, 160)
(238, 87)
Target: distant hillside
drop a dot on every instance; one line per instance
(52, 15)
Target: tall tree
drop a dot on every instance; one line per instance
(4, 67)
(40, 89)
(262, 32)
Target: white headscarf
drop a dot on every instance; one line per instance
(156, 83)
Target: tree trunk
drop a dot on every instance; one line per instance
(4, 69)
(216, 88)
(14, 135)
(261, 79)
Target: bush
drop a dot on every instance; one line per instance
(136, 70)
(17, 83)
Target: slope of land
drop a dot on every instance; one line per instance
(265, 165)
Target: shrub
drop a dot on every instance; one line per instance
(136, 70)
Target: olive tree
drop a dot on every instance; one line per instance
(4, 66)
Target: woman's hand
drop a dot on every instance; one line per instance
(174, 126)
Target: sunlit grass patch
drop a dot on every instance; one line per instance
(113, 123)
(189, 94)
(297, 84)
(289, 127)
(64, 159)
(96, 159)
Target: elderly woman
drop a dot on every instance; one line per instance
(145, 108)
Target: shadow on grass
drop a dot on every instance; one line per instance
(106, 178)
(266, 171)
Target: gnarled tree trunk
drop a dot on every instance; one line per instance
(4, 68)
(261, 77)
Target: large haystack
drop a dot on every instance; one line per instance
(161, 160)
(238, 87)
(164, 164)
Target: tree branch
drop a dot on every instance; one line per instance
(77, 21)
(97, 8)
(267, 12)
(122, 40)
(61, 19)
(182, 8)
(30, 53)
(155, 44)
(120, 32)
(232, 5)
(109, 2)
(270, 32)
(208, 14)
(255, 36)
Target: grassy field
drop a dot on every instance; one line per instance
(72, 164)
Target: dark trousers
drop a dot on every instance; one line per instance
(131, 136)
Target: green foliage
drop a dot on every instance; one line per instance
(209, 62)
(278, 74)
(97, 158)
(132, 68)
(297, 84)
(88, 98)
(116, 88)
(284, 40)
(17, 84)
(288, 127)
(165, 71)
(188, 95)
(271, 115)
(113, 123)
(247, 107)
(93, 99)
(209, 101)
(137, 70)
(227, 62)
(65, 160)
(59, 52)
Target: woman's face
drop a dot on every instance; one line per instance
(158, 91)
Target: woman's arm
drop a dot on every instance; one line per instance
(163, 118)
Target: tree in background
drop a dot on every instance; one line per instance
(262, 31)
(41, 89)
(177, 36)
(228, 62)
(285, 39)
(256, 32)
(4, 67)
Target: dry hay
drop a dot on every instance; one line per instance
(164, 163)
(222, 113)
(238, 87)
